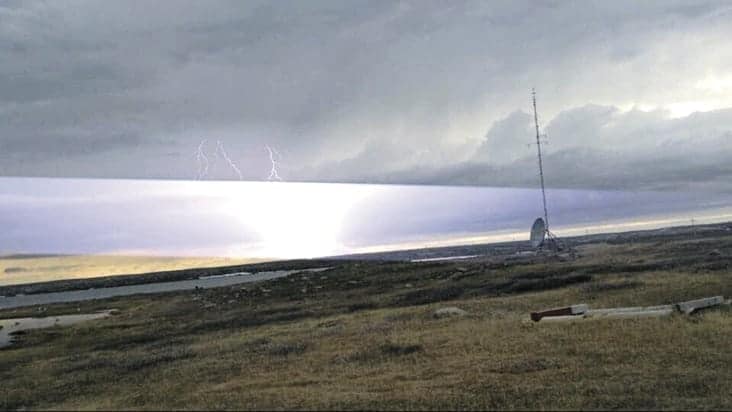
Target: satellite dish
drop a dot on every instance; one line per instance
(538, 231)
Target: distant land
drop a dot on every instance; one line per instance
(30, 268)
(28, 273)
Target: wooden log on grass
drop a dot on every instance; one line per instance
(582, 311)
(649, 312)
(632, 309)
(572, 310)
(616, 313)
(692, 306)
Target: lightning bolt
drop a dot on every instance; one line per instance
(220, 149)
(273, 175)
(202, 160)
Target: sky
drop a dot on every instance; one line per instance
(631, 95)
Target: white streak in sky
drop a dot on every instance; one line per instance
(202, 161)
(273, 175)
(220, 149)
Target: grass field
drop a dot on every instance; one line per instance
(28, 269)
(363, 336)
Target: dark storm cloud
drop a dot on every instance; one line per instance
(594, 147)
(65, 145)
(363, 90)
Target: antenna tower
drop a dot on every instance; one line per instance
(541, 165)
(554, 242)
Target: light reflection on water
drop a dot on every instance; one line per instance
(289, 220)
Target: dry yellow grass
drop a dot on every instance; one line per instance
(494, 359)
(287, 349)
(18, 270)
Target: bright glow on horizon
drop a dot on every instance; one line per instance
(296, 220)
(277, 220)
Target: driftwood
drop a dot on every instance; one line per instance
(565, 311)
(582, 311)
(694, 305)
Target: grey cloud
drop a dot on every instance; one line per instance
(347, 90)
(591, 147)
(505, 139)
(69, 145)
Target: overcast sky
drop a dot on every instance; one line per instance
(632, 95)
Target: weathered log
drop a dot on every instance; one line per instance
(573, 312)
(691, 306)
(565, 311)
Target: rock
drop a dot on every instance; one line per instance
(461, 269)
(456, 275)
(449, 312)
(715, 252)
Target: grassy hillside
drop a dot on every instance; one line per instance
(363, 336)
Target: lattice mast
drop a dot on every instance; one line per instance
(541, 165)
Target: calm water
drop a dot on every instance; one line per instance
(160, 287)
(291, 220)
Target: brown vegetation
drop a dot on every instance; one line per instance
(362, 336)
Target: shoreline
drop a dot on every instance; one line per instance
(421, 255)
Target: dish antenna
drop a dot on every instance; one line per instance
(540, 234)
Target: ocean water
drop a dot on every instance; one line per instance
(292, 220)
